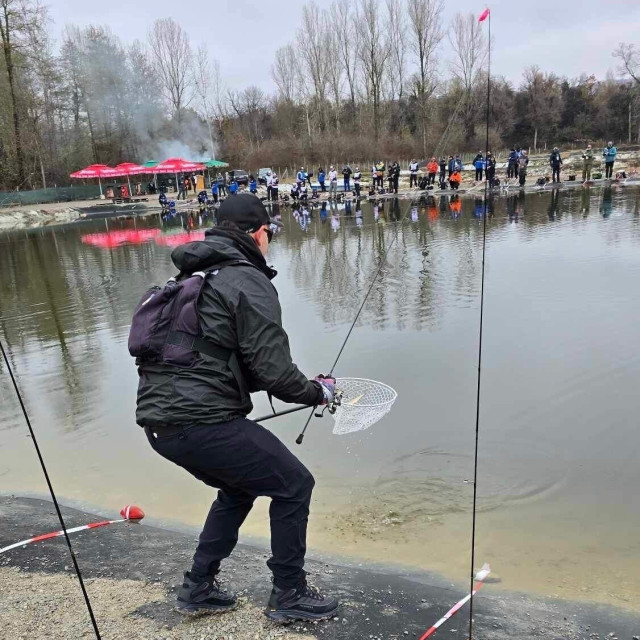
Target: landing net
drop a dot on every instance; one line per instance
(364, 402)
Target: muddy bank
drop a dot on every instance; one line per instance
(132, 572)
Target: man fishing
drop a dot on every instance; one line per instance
(587, 163)
(609, 154)
(195, 416)
(555, 160)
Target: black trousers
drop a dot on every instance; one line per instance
(413, 179)
(394, 184)
(478, 175)
(608, 169)
(356, 188)
(442, 173)
(555, 170)
(244, 460)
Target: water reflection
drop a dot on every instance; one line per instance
(558, 395)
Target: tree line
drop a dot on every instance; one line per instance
(359, 81)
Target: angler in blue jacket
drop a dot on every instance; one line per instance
(253, 185)
(478, 163)
(301, 177)
(321, 179)
(609, 154)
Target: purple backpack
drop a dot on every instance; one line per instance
(165, 327)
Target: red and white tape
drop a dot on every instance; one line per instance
(480, 578)
(130, 512)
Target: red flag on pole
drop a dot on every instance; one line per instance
(484, 15)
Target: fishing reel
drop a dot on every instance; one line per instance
(332, 406)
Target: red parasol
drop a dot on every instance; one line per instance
(95, 171)
(177, 165)
(130, 169)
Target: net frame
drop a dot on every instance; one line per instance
(371, 399)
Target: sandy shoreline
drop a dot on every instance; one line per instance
(132, 572)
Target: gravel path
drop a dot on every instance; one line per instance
(41, 605)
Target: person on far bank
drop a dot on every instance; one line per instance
(214, 190)
(555, 160)
(413, 173)
(478, 163)
(587, 163)
(609, 154)
(455, 179)
(272, 186)
(490, 170)
(395, 175)
(181, 189)
(222, 185)
(432, 169)
(301, 177)
(321, 179)
(357, 177)
(523, 162)
(333, 182)
(346, 177)
(253, 185)
(193, 405)
(443, 168)
(512, 171)
(233, 187)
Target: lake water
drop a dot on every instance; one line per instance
(559, 505)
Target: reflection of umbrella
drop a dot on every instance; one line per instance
(129, 169)
(176, 239)
(95, 171)
(177, 165)
(118, 238)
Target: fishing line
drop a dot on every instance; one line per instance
(300, 438)
(484, 245)
(51, 491)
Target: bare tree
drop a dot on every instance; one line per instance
(314, 53)
(172, 56)
(543, 100)
(373, 55)
(204, 90)
(336, 75)
(629, 58)
(425, 19)
(282, 72)
(250, 108)
(470, 49)
(396, 69)
(17, 18)
(343, 25)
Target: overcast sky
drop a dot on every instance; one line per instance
(568, 37)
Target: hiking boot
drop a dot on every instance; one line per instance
(195, 598)
(299, 603)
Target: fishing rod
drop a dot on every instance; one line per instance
(484, 15)
(51, 491)
(300, 438)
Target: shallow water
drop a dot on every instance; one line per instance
(558, 474)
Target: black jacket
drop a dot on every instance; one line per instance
(239, 310)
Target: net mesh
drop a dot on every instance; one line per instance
(364, 402)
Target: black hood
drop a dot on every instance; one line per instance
(218, 246)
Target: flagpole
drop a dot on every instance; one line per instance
(484, 245)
